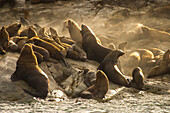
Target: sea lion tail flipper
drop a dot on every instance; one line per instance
(64, 62)
(43, 96)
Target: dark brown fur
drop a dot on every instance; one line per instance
(110, 68)
(93, 49)
(99, 89)
(28, 70)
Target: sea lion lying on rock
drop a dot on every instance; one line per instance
(4, 40)
(138, 78)
(28, 70)
(163, 68)
(99, 89)
(110, 68)
(13, 29)
(93, 49)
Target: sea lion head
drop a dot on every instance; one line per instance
(86, 29)
(27, 58)
(13, 29)
(138, 78)
(4, 38)
(31, 33)
(42, 33)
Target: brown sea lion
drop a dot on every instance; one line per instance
(74, 30)
(99, 89)
(163, 68)
(4, 40)
(13, 29)
(21, 44)
(81, 54)
(28, 70)
(42, 51)
(122, 45)
(24, 21)
(89, 77)
(42, 33)
(31, 33)
(112, 46)
(52, 49)
(93, 49)
(138, 78)
(110, 68)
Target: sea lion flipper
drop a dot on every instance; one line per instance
(14, 77)
(35, 94)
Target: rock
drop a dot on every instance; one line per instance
(12, 91)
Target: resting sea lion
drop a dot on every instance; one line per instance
(89, 77)
(110, 68)
(163, 68)
(13, 46)
(99, 89)
(13, 29)
(82, 55)
(4, 40)
(28, 70)
(138, 78)
(93, 49)
(31, 33)
(52, 49)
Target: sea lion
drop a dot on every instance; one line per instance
(122, 45)
(81, 54)
(4, 40)
(42, 51)
(89, 77)
(31, 33)
(163, 68)
(74, 30)
(42, 34)
(21, 44)
(99, 89)
(24, 21)
(28, 70)
(52, 49)
(112, 46)
(110, 68)
(93, 49)
(138, 78)
(13, 29)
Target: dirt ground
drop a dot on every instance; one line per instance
(105, 20)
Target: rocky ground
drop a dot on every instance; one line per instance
(118, 20)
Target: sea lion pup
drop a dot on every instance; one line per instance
(138, 78)
(110, 68)
(89, 77)
(163, 68)
(93, 49)
(122, 45)
(52, 49)
(99, 89)
(4, 40)
(73, 29)
(13, 29)
(42, 51)
(28, 70)
(24, 21)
